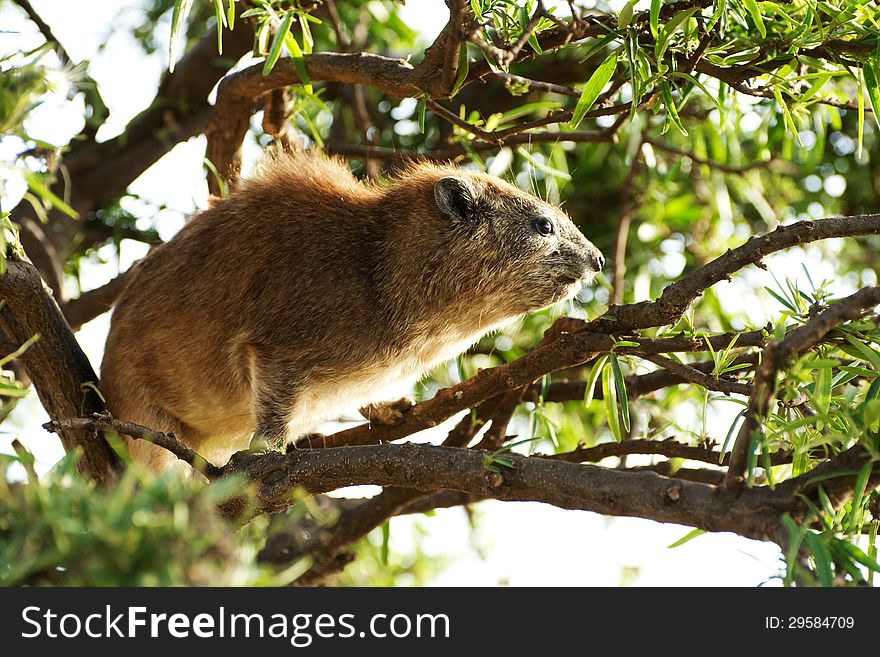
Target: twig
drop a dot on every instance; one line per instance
(537, 84)
(707, 381)
(454, 119)
(636, 385)
(515, 48)
(46, 31)
(669, 448)
(720, 166)
(104, 422)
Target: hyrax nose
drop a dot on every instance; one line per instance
(594, 259)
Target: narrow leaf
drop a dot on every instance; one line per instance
(620, 390)
(757, 19)
(687, 537)
(871, 86)
(609, 393)
(655, 17)
(591, 381)
(671, 111)
(178, 18)
(278, 42)
(593, 88)
(463, 68)
(221, 23)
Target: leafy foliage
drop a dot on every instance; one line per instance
(146, 531)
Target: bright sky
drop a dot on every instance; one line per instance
(520, 543)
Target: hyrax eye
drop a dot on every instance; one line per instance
(543, 227)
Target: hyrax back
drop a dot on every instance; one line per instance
(307, 292)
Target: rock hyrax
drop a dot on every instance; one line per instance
(308, 291)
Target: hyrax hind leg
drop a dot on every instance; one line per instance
(390, 413)
(273, 387)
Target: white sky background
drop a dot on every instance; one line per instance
(521, 543)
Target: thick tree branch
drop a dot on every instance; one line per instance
(61, 373)
(755, 514)
(237, 93)
(353, 523)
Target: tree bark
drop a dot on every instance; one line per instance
(55, 363)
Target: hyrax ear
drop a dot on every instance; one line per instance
(456, 197)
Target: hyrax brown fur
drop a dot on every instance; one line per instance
(308, 291)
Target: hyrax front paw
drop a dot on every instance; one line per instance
(390, 413)
(259, 443)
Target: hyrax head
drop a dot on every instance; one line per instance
(531, 254)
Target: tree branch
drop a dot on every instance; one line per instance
(61, 373)
(567, 485)
(678, 296)
(104, 422)
(95, 302)
(775, 356)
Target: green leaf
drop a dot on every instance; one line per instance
(230, 14)
(856, 553)
(822, 558)
(297, 56)
(609, 393)
(278, 42)
(720, 17)
(178, 18)
(822, 393)
(780, 299)
(668, 30)
(872, 75)
(863, 352)
(221, 23)
(687, 537)
(477, 8)
(39, 187)
(859, 488)
(386, 537)
(815, 87)
(672, 117)
(620, 390)
(600, 77)
(463, 68)
(860, 100)
(654, 18)
(786, 116)
(593, 378)
(626, 14)
(757, 19)
(308, 39)
(423, 103)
